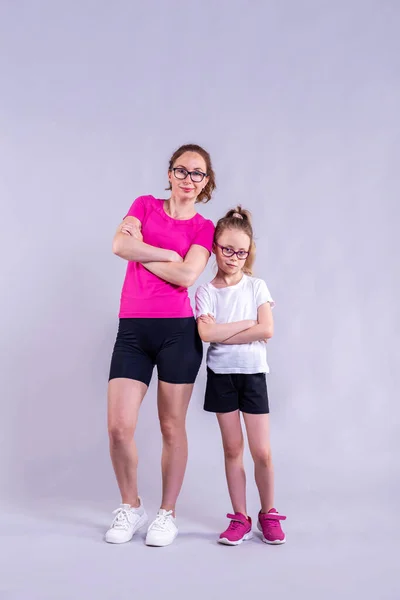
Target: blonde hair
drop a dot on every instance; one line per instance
(239, 218)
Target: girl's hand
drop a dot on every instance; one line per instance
(207, 319)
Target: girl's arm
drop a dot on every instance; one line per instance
(128, 244)
(184, 273)
(263, 330)
(210, 331)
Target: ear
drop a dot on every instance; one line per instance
(169, 176)
(214, 248)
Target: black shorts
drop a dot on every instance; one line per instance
(236, 391)
(172, 344)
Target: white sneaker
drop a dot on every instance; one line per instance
(126, 522)
(163, 530)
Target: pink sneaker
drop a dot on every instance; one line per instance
(269, 525)
(238, 531)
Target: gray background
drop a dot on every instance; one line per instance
(297, 102)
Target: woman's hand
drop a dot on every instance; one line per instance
(175, 257)
(129, 228)
(133, 230)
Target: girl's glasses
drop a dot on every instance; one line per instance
(241, 254)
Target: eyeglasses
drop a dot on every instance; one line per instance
(241, 254)
(195, 176)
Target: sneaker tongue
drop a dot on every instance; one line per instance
(273, 510)
(240, 516)
(125, 506)
(237, 517)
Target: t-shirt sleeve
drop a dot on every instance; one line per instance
(138, 209)
(262, 293)
(205, 236)
(203, 303)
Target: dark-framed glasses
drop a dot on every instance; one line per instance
(228, 252)
(195, 176)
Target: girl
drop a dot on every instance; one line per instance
(234, 315)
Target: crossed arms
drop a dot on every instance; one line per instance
(239, 332)
(166, 264)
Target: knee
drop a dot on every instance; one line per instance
(172, 430)
(233, 451)
(120, 434)
(262, 457)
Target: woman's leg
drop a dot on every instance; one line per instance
(257, 427)
(173, 402)
(124, 399)
(232, 440)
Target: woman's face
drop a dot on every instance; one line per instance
(182, 184)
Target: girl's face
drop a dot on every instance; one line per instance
(231, 239)
(185, 186)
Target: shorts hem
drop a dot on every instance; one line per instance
(212, 410)
(246, 412)
(129, 377)
(238, 371)
(177, 382)
(255, 412)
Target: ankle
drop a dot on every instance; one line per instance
(168, 508)
(133, 503)
(242, 512)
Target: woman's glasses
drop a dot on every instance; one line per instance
(195, 176)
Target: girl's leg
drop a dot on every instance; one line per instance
(232, 440)
(257, 427)
(173, 402)
(124, 399)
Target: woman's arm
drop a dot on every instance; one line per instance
(184, 273)
(210, 331)
(262, 331)
(128, 244)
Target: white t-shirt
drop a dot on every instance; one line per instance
(227, 305)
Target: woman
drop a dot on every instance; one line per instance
(167, 245)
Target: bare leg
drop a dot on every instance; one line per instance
(173, 402)
(232, 440)
(124, 399)
(257, 427)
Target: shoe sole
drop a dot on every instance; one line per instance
(271, 542)
(141, 523)
(161, 544)
(227, 542)
(274, 543)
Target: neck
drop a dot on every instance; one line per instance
(179, 210)
(227, 280)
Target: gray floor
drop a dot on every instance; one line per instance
(57, 552)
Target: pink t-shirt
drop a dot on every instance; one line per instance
(143, 293)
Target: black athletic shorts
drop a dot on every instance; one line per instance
(172, 344)
(236, 391)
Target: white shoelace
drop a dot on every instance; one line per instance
(161, 521)
(122, 519)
